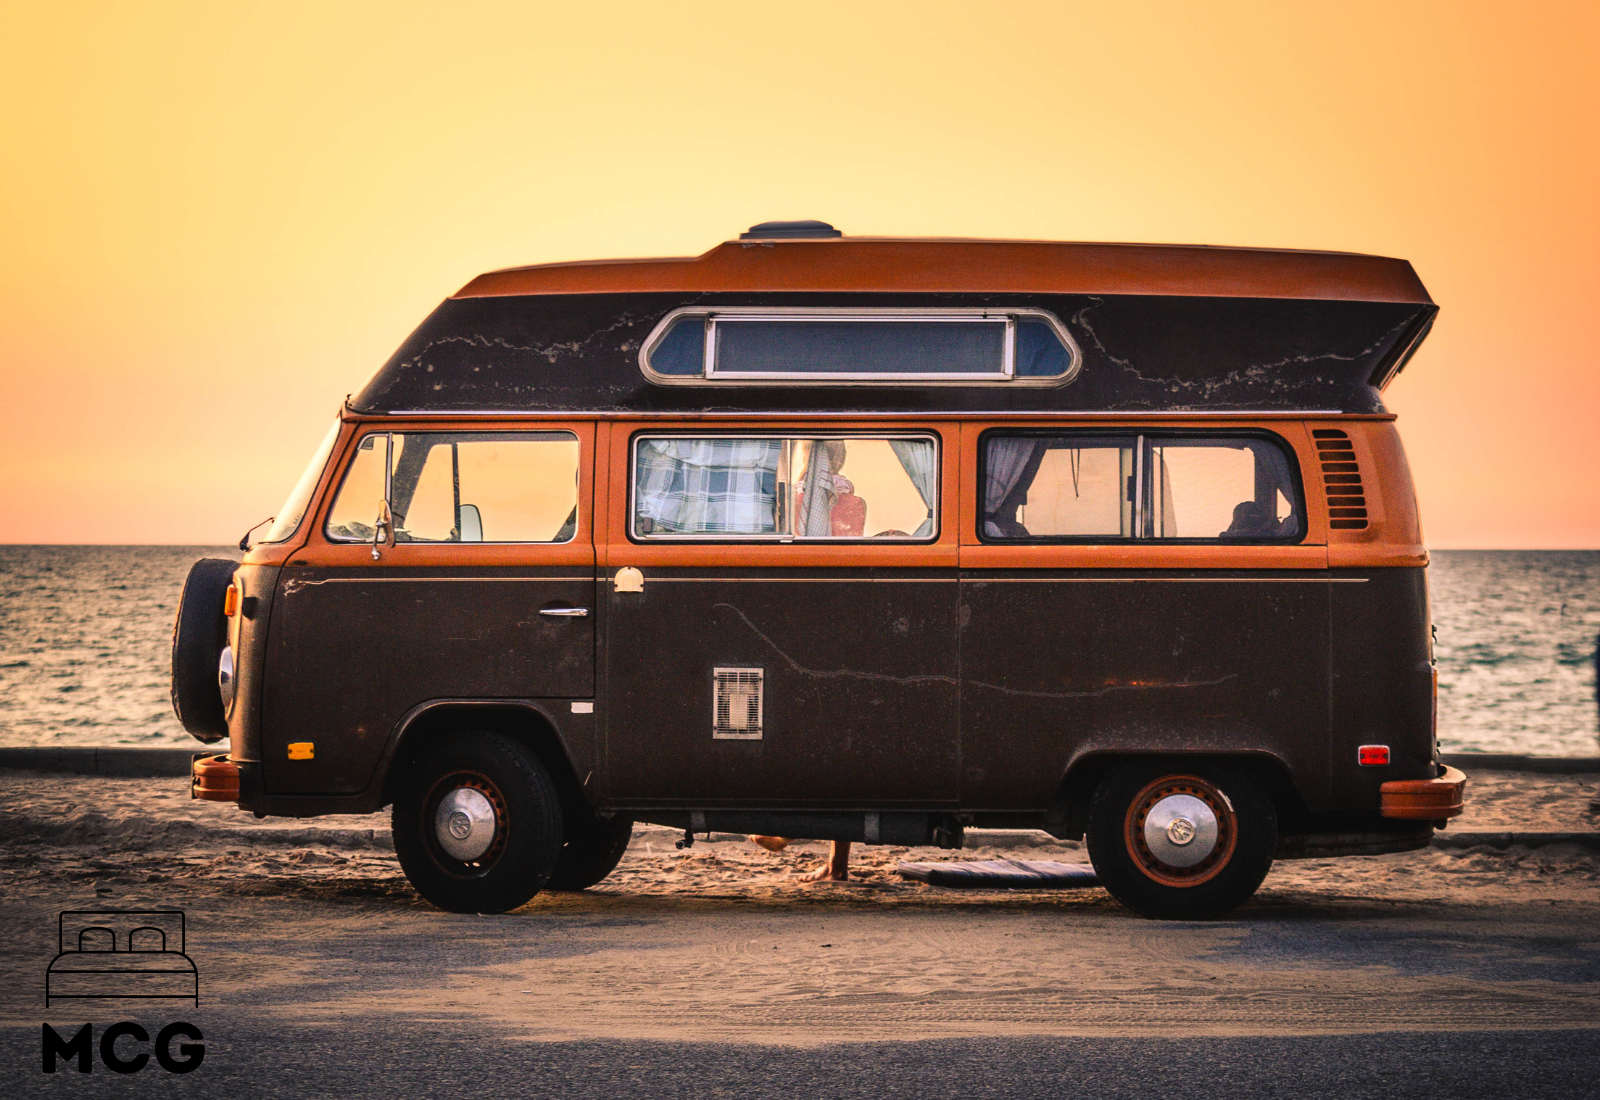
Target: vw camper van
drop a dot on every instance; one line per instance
(857, 539)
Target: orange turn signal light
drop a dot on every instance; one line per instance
(230, 601)
(1373, 756)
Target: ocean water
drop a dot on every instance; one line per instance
(85, 636)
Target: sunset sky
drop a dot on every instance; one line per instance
(220, 219)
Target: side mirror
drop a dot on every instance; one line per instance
(469, 523)
(382, 530)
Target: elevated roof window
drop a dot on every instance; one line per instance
(757, 346)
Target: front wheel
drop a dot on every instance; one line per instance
(477, 823)
(1179, 843)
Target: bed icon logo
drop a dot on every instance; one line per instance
(122, 956)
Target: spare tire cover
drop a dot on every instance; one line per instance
(198, 636)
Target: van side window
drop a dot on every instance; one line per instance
(461, 487)
(1117, 487)
(800, 345)
(788, 488)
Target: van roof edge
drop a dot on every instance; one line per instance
(811, 264)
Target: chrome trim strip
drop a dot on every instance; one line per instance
(807, 580)
(1005, 580)
(1168, 580)
(431, 580)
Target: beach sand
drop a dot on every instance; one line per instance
(312, 920)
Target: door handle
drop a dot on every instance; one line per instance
(565, 612)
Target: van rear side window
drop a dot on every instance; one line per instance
(1121, 487)
(461, 487)
(785, 488)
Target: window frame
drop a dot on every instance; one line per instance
(1142, 437)
(394, 543)
(778, 538)
(710, 376)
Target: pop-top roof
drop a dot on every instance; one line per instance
(808, 257)
(790, 318)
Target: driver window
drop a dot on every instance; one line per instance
(356, 509)
(495, 487)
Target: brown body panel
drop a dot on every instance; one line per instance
(951, 675)
(419, 625)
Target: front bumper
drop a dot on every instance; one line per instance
(1434, 799)
(213, 777)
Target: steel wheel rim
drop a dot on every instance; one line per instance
(465, 821)
(1181, 830)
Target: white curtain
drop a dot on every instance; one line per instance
(816, 517)
(1004, 460)
(921, 463)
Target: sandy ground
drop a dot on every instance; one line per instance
(311, 923)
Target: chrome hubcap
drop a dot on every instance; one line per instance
(1180, 830)
(225, 684)
(464, 823)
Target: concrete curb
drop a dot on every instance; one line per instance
(1514, 762)
(1588, 840)
(120, 762)
(138, 762)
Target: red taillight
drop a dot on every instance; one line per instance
(1373, 756)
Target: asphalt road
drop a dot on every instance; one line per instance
(245, 1058)
(716, 972)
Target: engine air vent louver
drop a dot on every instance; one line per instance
(736, 703)
(1341, 478)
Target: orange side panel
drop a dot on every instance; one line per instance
(1393, 536)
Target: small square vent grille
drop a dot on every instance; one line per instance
(736, 703)
(1341, 477)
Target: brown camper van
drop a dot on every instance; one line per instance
(854, 539)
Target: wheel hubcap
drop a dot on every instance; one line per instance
(1180, 830)
(464, 823)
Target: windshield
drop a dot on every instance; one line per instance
(293, 511)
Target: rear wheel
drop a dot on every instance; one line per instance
(477, 823)
(592, 851)
(1181, 843)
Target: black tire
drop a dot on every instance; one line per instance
(1150, 876)
(523, 843)
(592, 851)
(198, 635)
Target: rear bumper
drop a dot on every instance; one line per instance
(213, 777)
(1424, 799)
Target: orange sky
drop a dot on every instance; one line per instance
(220, 219)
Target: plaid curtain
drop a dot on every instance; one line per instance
(707, 486)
